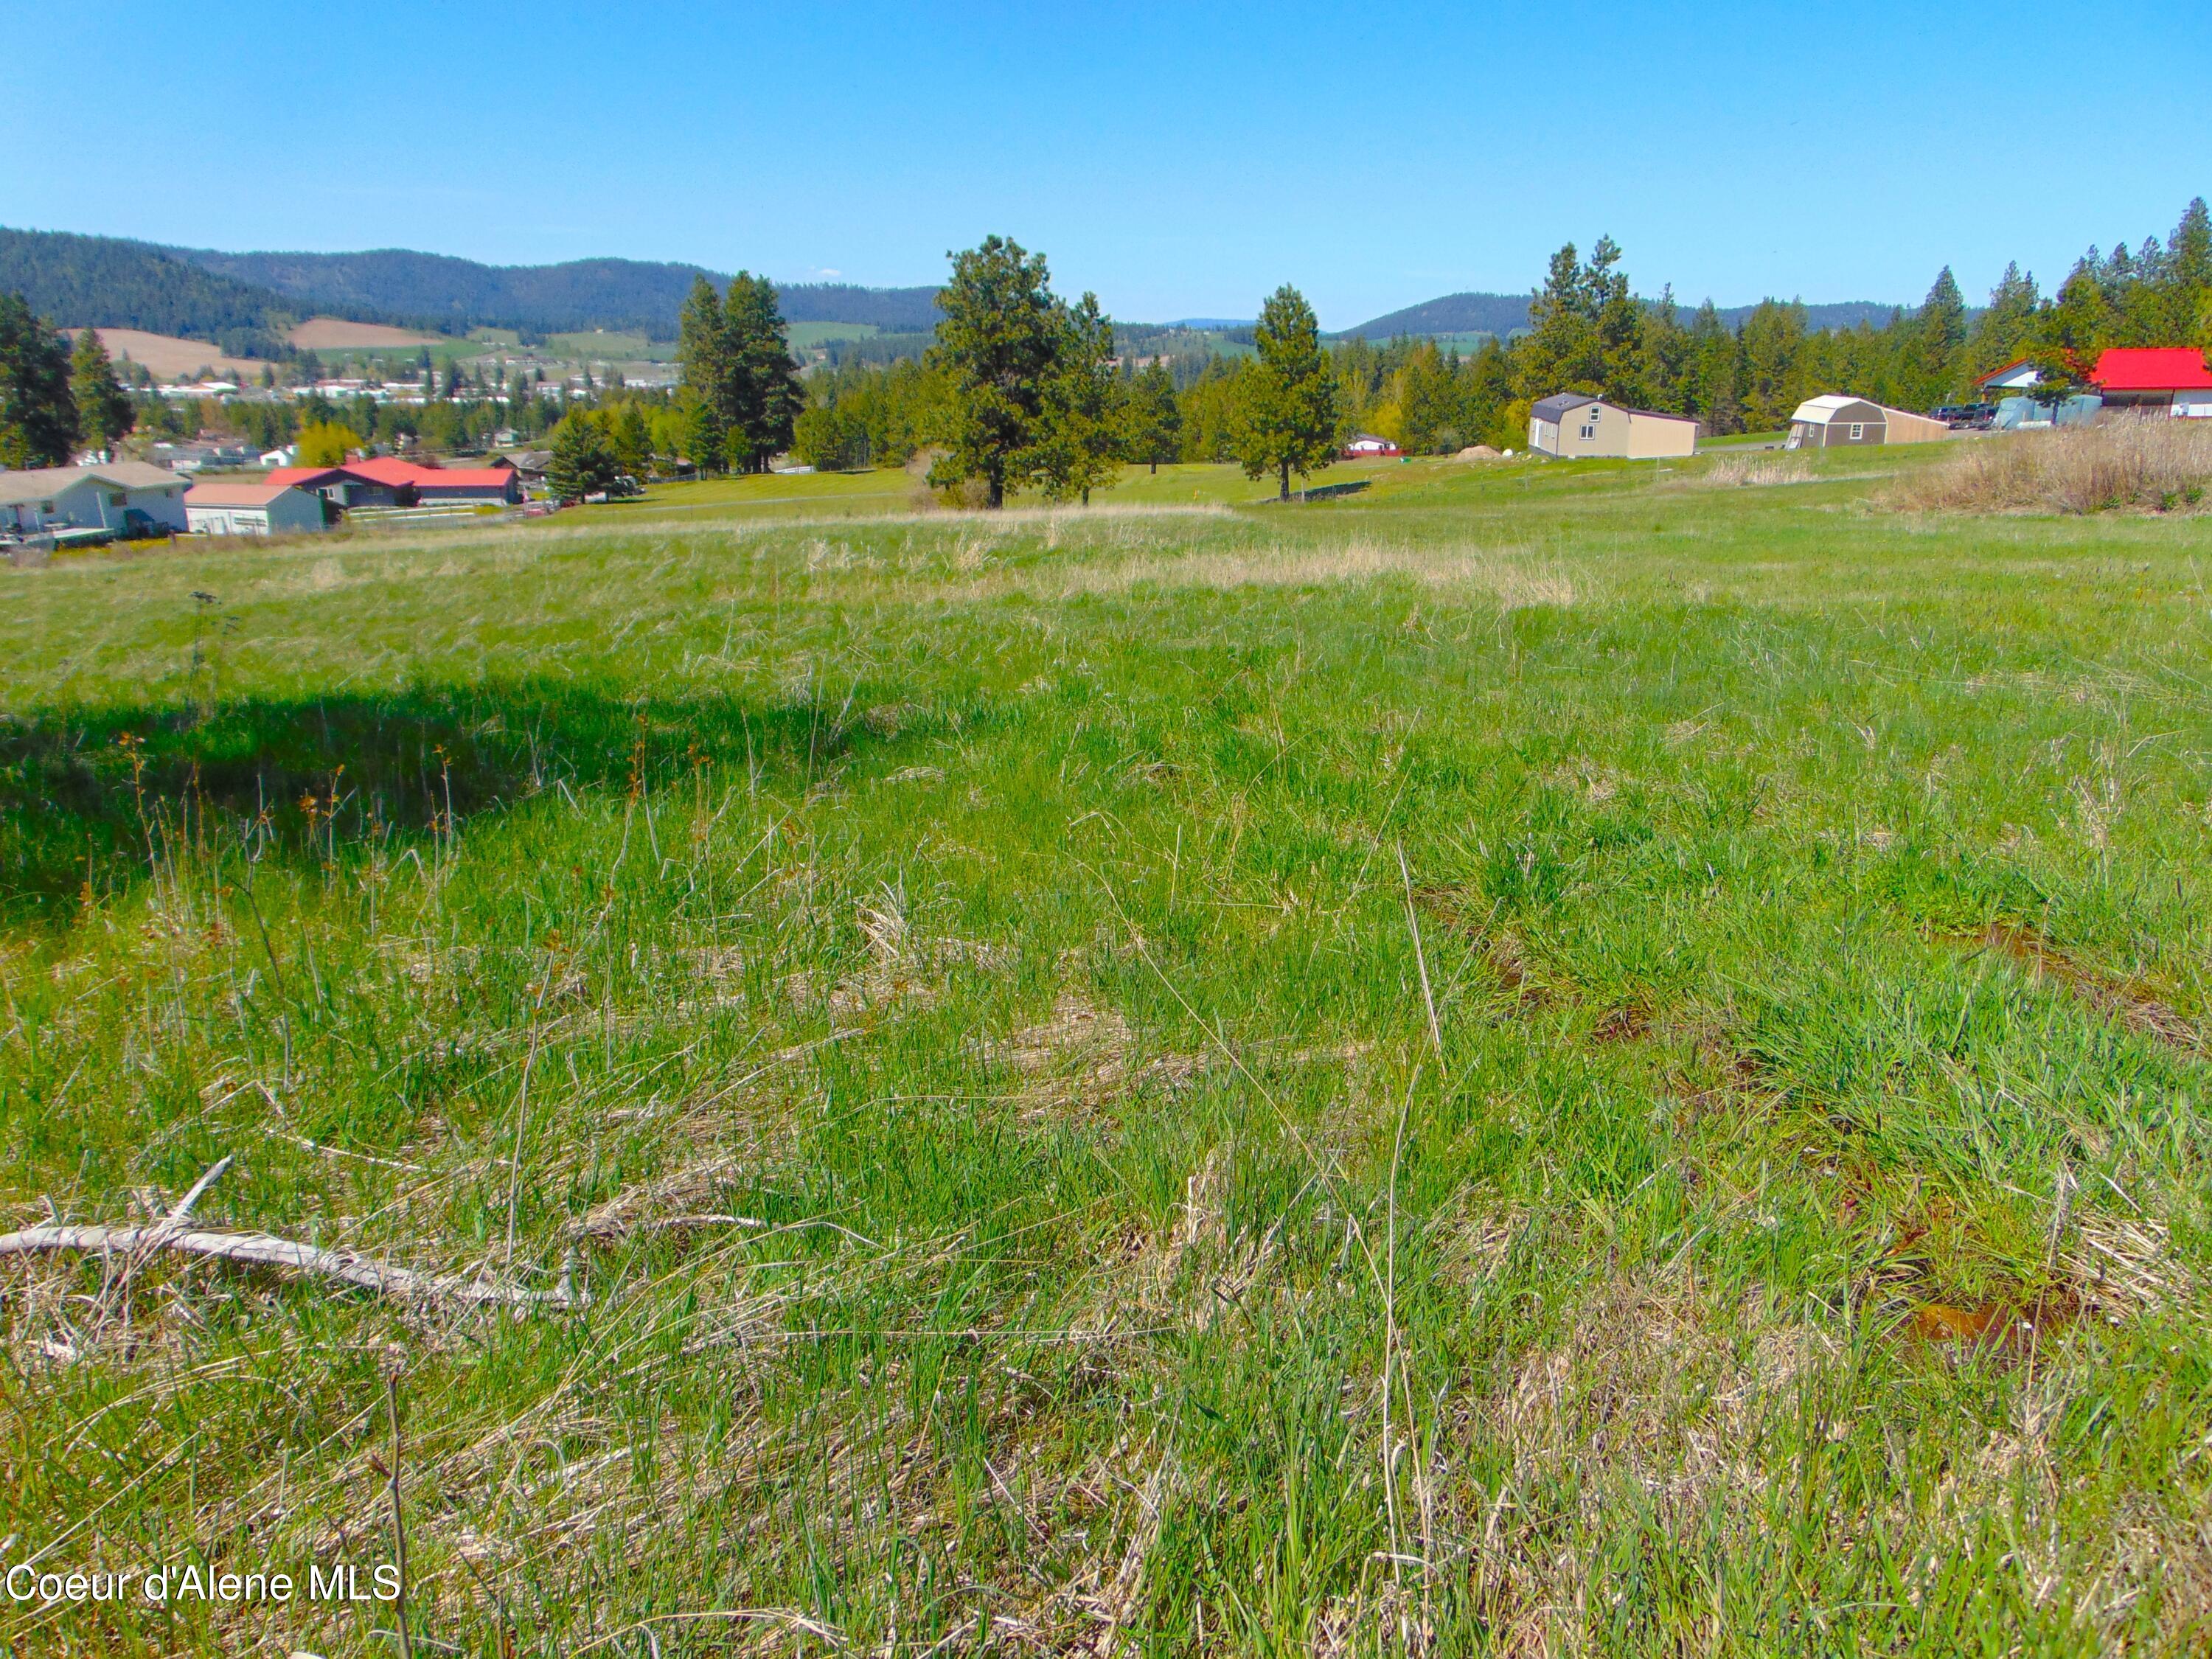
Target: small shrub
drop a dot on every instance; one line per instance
(2145, 463)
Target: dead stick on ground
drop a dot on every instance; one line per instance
(399, 1524)
(265, 1250)
(1421, 960)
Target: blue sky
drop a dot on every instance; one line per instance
(1179, 161)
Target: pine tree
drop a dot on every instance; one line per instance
(709, 373)
(2074, 329)
(995, 348)
(1938, 339)
(1080, 425)
(2003, 333)
(1560, 353)
(1155, 419)
(1773, 380)
(583, 462)
(1715, 382)
(37, 415)
(764, 394)
(105, 412)
(632, 440)
(1288, 419)
(1666, 348)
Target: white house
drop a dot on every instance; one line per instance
(251, 509)
(2017, 375)
(288, 456)
(126, 497)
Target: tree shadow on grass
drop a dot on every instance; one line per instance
(90, 801)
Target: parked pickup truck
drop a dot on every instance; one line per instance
(1967, 417)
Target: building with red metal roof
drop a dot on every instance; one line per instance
(2172, 378)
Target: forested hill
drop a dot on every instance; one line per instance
(629, 295)
(113, 284)
(243, 301)
(1503, 314)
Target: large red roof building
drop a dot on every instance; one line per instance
(2172, 377)
(387, 481)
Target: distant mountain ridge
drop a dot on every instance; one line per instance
(109, 283)
(622, 296)
(1502, 314)
(244, 301)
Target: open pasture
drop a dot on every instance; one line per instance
(1543, 1060)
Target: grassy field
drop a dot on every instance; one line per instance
(1557, 1060)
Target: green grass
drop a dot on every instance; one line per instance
(802, 335)
(599, 345)
(1004, 918)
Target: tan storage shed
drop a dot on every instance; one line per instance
(1572, 427)
(1836, 422)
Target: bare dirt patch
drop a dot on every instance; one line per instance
(168, 357)
(2130, 1002)
(337, 334)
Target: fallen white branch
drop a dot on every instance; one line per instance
(263, 1249)
(173, 1232)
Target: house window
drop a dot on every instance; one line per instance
(1590, 432)
(1858, 430)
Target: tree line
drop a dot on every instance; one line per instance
(1022, 390)
(1588, 334)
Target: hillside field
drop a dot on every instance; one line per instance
(169, 357)
(1542, 1059)
(341, 334)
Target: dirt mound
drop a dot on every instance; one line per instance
(1478, 452)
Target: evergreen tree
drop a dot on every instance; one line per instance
(1936, 344)
(37, 415)
(1666, 366)
(2003, 333)
(709, 374)
(2073, 330)
(631, 440)
(996, 348)
(105, 412)
(1288, 416)
(764, 396)
(1715, 394)
(1080, 428)
(583, 462)
(1560, 352)
(1155, 419)
(1772, 379)
(1586, 330)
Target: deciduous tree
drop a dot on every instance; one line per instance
(327, 443)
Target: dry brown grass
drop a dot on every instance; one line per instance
(1736, 471)
(336, 334)
(2144, 463)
